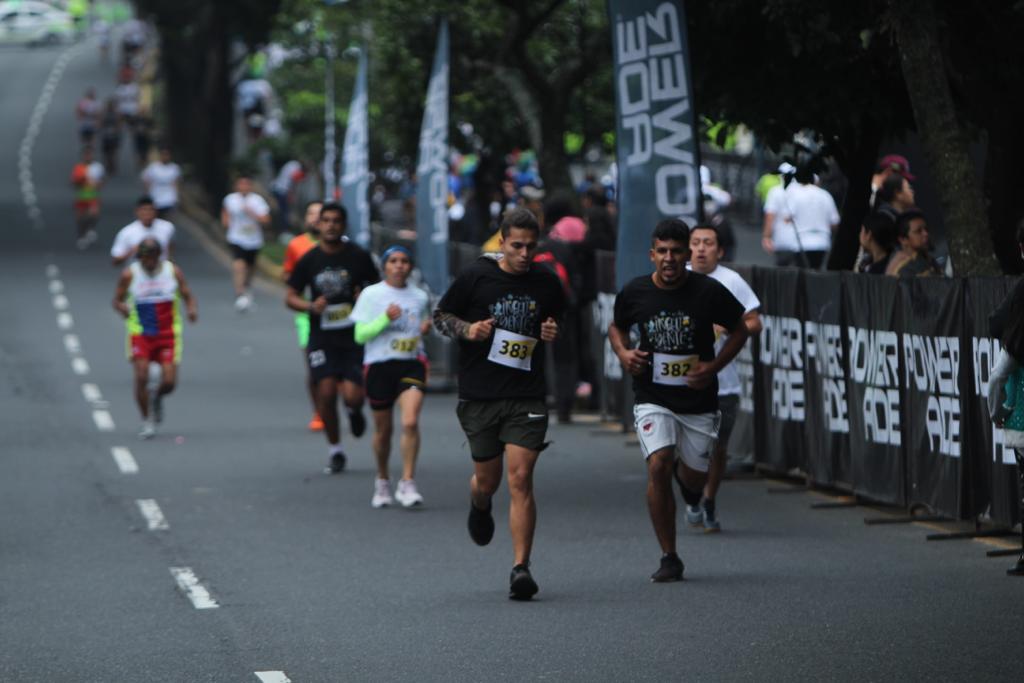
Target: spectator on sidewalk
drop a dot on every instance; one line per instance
(809, 216)
(877, 243)
(283, 188)
(914, 257)
(896, 195)
(888, 166)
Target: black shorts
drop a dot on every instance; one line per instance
(342, 363)
(489, 425)
(242, 254)
(386, 380)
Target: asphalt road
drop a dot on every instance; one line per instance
(313, 584)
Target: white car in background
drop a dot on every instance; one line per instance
(31, 22)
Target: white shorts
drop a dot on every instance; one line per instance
(692, 436)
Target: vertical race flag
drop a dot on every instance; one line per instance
(657, 153)
(432, 174)
(355, 167)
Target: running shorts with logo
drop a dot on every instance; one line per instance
(339, 362)
(386, 380)
(489, 425)
(691, 435)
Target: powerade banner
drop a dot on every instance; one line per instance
(355, 168)
(656, 150)
(827, 433)
(991, 464)
(432, 175)
(873, 386)
(741, 441)
(934, 370)
(779, 371)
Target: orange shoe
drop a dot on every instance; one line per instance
(316, 424)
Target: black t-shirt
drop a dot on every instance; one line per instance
(676, 327)
(340, 277)
(510, 363)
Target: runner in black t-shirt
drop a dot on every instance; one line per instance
(674, 370)
(501, 311)
(335, 271)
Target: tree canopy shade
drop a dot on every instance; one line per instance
(196, 37)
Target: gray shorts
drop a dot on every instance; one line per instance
(729, 406)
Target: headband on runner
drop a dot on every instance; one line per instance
(386, 254)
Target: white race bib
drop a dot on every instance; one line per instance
(671, 369)
(335, 317)
(406, 346)
(512, 350)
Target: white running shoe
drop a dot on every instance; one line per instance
(148, 430)
(381, 494)
(243, 303)
(406, 493)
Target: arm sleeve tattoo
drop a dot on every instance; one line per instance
(450, 326)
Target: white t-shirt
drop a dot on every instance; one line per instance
(95, 173)
(163, 183)
(401, 340)
(127, 95)
(131, 235)
(807, 210)
(728, 378)
(243, 230)
(286, 176)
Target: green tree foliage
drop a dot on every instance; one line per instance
(197, 64)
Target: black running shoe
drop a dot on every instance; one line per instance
(481, 524)
(521, 584)
(671, 569)
(357, 422)
(337, 463)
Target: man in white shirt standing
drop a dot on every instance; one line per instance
(145, 225)
(161, 179)
(799, 222)
(705, 252)
(243, 215)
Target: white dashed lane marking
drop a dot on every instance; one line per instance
(104, 422)
(60, 302)
(80, 365)
(71, 344)
(65, 321)
(125, 462)
(272, 677)
(189, 584)
(154, 516)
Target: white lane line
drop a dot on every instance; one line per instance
(125, 462)
(189, 584)
(91, 392)
(273, 677)
(56, 287)
(104, 422)
(80, 365)
(52, 270)
(65, 321)
(60, 302)
(154, 516)
(71, 344)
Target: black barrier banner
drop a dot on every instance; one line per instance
(741, 441)
(872, 389)
(994, 466)
(779, 373)
(827, 429)
(934, 372)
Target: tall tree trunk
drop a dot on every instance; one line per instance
(856, 159)
(554, 167)
(943, 140)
